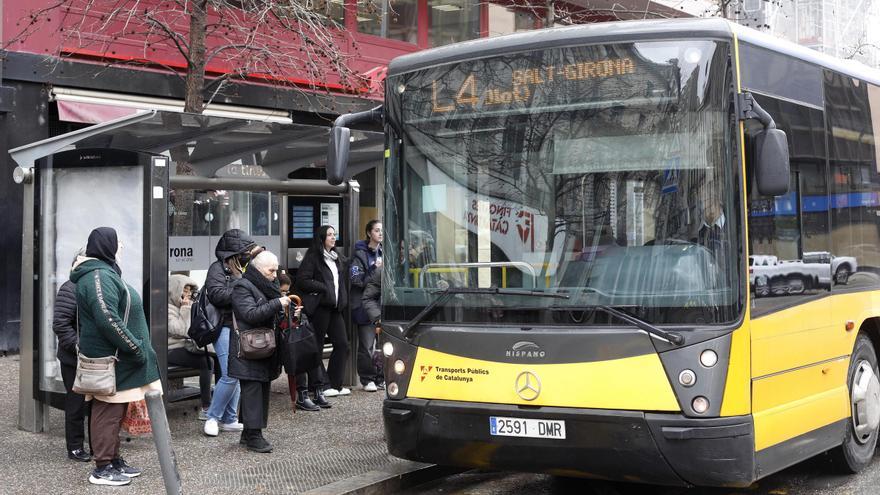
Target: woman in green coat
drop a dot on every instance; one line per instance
(112, 322)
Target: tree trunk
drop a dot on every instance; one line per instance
(195, 74)
(551, 14)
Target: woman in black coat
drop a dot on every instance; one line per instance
(75, 406)
(256, 302)
(320, 281)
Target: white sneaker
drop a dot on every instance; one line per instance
(212, 428)
(331, 392)
(344, 391)
(231, 426)
(370, 387)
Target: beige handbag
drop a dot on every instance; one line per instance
(97, 376)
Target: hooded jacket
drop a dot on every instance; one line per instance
(178, 315)
(218, 283)
(102, 301)
(372, 305)
(363, 264)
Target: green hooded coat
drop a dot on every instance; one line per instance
(101, 300)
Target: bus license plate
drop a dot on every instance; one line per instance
(522, 427)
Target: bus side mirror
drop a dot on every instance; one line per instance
(772, 171)
(337, 154)
(340, 141)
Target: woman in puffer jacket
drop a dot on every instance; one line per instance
(182, 351)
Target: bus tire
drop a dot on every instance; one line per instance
(860, 439)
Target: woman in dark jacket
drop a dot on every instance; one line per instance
(320, 282)
(366, 260)
(75, 406)
(234, 251)
(256, 302)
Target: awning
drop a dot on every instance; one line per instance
(94, 107)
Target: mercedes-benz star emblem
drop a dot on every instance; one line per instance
(527, 385)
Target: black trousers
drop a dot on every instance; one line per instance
(75, 411)
(254, 409)
(182, 357)
(366, 369)
(330, 323)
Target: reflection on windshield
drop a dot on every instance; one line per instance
(594, 171)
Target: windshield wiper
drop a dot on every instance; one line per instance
(654, 331)
(445, 294)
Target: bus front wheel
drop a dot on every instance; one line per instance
(860, 439)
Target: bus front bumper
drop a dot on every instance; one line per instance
(631, 446)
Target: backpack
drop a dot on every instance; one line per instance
(205, 321)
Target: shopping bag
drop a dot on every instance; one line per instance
(137, 419)
(299, 349)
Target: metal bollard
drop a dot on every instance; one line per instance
(162, 438)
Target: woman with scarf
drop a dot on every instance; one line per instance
(320, 281)
(256, 302)
(112, 322)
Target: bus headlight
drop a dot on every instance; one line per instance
(687, 378)
(399, 367)
(393, 389)
(700, 404)
(708, 358)
(388, 349)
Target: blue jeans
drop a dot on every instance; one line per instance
(224, 404)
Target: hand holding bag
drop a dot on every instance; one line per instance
(254, 343)
(97, 376)
(299, 348)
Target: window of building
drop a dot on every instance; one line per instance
(392, 19)
(505, 20)
(328, 10)
(452, 21)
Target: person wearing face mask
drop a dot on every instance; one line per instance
(320, 281)
(112, 322)
(234, 250)
(256, 302)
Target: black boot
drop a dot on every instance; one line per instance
(304, 403)
(320, 400)
(256, 442)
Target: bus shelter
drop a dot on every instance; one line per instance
(124, 174)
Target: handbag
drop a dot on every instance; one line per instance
(137, 418)
(97, 376)
(299, 348)
(254, 343)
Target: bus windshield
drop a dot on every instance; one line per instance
(600, 172)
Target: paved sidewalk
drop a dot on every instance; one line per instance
(311, 449)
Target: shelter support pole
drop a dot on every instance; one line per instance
(352, 203)
(33, 415)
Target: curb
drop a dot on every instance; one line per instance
(390, 479)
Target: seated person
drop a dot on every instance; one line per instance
(182, 351)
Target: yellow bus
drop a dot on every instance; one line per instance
(643, 251)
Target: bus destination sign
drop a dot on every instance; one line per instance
(519, 85)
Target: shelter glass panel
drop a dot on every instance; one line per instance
(70, 211)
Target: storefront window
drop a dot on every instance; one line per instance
(392, 19)
(452, 21)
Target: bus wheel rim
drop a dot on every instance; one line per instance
(865, 402)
